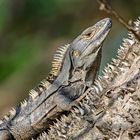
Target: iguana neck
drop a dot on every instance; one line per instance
(94, 68)
(68, 71)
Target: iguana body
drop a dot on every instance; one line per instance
(73, 69)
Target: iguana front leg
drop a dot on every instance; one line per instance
(65, 99)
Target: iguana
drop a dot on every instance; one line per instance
(74, 69)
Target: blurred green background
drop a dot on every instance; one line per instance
(31, 30)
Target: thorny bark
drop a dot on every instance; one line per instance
(111, 107)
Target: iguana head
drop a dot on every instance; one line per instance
(85, 50)
(85, 47)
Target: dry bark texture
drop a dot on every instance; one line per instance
(110, 109)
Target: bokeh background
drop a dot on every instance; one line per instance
(31, 30)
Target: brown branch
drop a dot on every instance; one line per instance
(105, 6)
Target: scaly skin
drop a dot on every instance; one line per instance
(77, 65)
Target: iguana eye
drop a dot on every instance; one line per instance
(75, 53)
(89, 33)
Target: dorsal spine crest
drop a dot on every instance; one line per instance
(56, 68)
